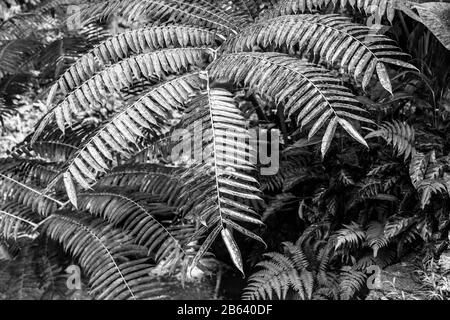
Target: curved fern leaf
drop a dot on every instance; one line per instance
(351, 282)
(400, 135)
(377, 8)
(331, 39)
(17, 221)
(278, 275)
(28, 195)
(152, 111)
(129, 43)
(221, 175)
(160, 180)
(37, 172)
(200, 13)
(397, 225)
(304, 89)
(135, 216)
(349, 237)
(375, 237)
(93, 91)
(120, 270)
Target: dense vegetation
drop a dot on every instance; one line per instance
(353, 95)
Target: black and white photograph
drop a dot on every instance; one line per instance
(219, 156)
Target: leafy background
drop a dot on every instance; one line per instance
(364, 175)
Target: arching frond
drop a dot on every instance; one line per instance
(349, 237)
(299, 271)
(37, 172)
(294, 167)
(160, 180)
(24, 282)
(15, 190)
(15, 55)
(220, 179)
(329, 39)
(196, 12)
(20, 26)
(424, 167)
(397, 225)
(351, 282)
(17, 221)
(375, 237)
(383, 169)
(157, 64)
(120, 271)
(427, 175)
(129, 43)
(400, 135)
(278, 275)
(306, 90)
(53, 145)
(377, 8)
(137, 214)
(152, 111)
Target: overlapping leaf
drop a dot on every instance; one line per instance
(117, 268)
(329, 39)
(151, 111)
(127, 44)
(305, 90)
(220, 181)
(92, 92)
(200, 13)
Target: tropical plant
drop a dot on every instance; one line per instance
(109, 173)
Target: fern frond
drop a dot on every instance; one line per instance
(351, 236)
(344, 178)
(25, 282)
(399, 134)
(37, 172)
(375, 237)
(378, 8)
(137, 217)
(397, 225)
(21, 26)
(298, 257)
(428, 187)
(52, 151)
(278, 275)
(157, 64)
(427, 176)
(200, 13)
(129, 43)
(16, 55)
(120, 271)
(351, 282)
(330, 39)
(37, 200)
(294, 167)
(152, 111)
(304, 89)
(383, 169)
(54, 146)
(17, 221)
(419, 166)
(250, 7)
(160, 180)
(221, 176)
